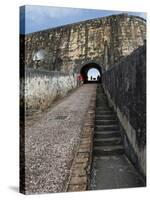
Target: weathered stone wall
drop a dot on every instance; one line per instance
(40, 88)
(67, 48)
(125, 86)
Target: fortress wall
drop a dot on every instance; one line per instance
(106, 40)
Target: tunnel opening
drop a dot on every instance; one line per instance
(91, 73)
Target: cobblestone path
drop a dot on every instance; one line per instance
(50, 143)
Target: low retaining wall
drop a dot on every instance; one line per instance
(125, 86)
(40, 88)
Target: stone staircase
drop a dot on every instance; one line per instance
(111, 168)
(107, 137)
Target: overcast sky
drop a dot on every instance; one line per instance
(36, 18)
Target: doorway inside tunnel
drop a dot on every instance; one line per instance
(91, 73)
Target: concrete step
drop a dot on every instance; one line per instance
(104, 117)
(105, 122)
(108, 150)
(101, 95)
(106, 134)
(101, 103)
(107, 112)
(101, 99)
(107, 141)
(103, 108)
(114, 172)
(107, 128)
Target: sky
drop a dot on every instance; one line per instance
(93, 72)
(36, 18)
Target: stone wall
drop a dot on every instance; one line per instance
(40, 88)
(68, 48)
(125, 86)
(104, 40)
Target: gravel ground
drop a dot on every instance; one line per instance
(50, 143)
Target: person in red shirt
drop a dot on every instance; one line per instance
(80, 79)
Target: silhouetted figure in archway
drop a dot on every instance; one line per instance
(99, 79)
(85, 78)
(91, 78)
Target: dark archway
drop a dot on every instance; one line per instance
(84, 72)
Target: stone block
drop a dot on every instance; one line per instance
(75, 188)
(78, 172)
(82, 155)
(78, 180)
(80, 165)
(81, 160)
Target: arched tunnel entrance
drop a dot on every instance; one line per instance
(91, 73)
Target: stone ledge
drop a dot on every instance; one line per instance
(80, 170)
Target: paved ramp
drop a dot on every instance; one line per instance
(52, 140)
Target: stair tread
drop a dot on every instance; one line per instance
(107, 120)
(100, 123)
(100, 110)
(108, 139)
(104, 110)
(103, 106)
(105, 114)
(107, 131)
(112, 125)
(108, 148)
(107, 127)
